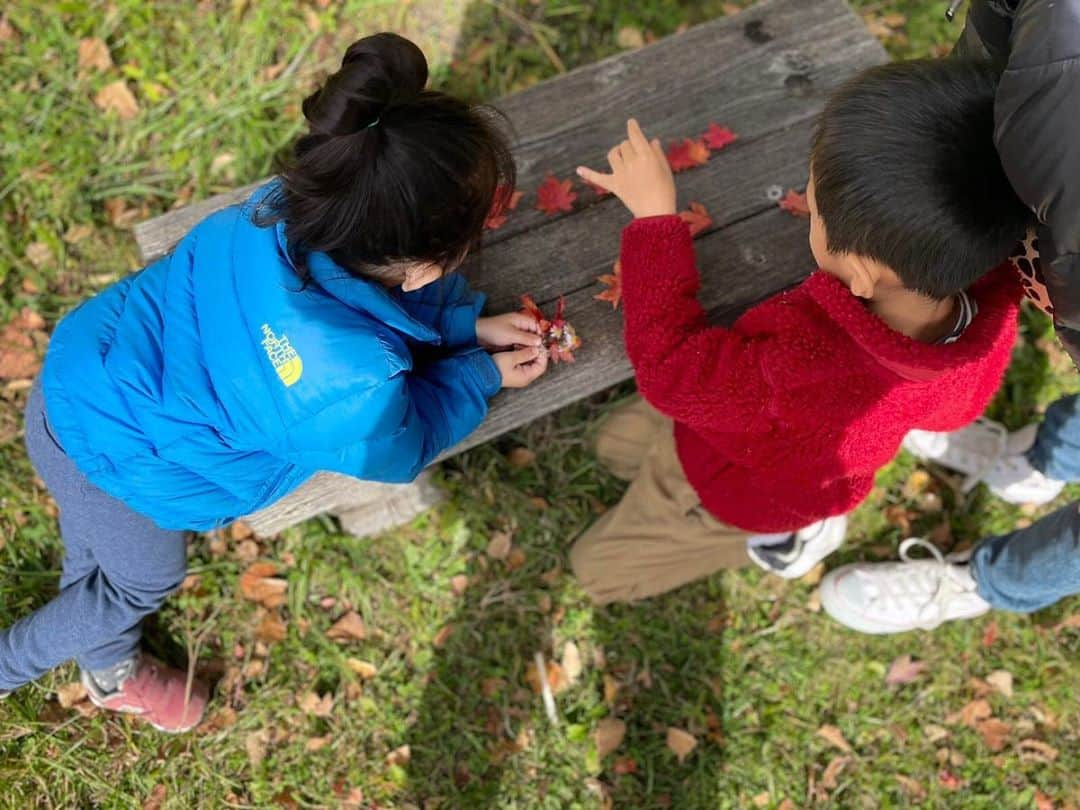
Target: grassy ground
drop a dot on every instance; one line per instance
(741, 661)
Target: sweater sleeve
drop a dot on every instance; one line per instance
(697, 374)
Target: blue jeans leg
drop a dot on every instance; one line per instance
(1031, 568)
(1056, 452)
(118, 568)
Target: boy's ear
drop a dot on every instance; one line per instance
(863, 277)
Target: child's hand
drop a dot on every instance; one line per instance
(640, 175)
(507, 331)
(522, 366)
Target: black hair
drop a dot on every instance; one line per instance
(906, 172)
(390, 171)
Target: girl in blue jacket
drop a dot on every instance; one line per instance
(318, 326)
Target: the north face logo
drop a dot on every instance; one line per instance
(283, 356)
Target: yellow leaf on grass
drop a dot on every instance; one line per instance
(680, 742)
(364, 669)
(349, 627)
(608, 735)
(116, 97)
(1002, 681)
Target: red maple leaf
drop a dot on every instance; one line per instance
(555, 195)
(696, 217)
(506, 199)
(717, 137)
(560, 338)
(795, 204)
(687, 154)
(613, 280)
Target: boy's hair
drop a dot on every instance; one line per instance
(906, 173)
(390, 171)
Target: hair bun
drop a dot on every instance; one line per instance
(377, 71)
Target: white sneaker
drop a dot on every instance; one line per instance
(796, 554)
(895, 597)
(986, 451)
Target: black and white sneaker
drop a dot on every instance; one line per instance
(799, 552)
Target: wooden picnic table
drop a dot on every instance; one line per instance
(765, 73)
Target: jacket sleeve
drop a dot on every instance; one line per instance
(450, 306)
(685, 368)
(417, 415)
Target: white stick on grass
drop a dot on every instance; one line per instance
(545, 689)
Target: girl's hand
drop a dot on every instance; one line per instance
(507, 331)
(640, 175)
(522, 366)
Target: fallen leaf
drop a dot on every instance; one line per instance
(521, 457)
(904, 670)
(613, 280)
(814, 575)
(556, 677)
(629, 38)
(1002, 681)
(949, 780)
(69, 694)
(271, 628)
(990, 634)
(458, 584)
(795, 204)
(18, 352)
(717, 137)
(156, 798)
(555, 195)
(364, 669)
(515, 559)
(971, 714)
(696, 217)
(1042, 801)
(256, 743)
(39, 254)
(611, 690)
(116, 97)
(624, 766)
(506, 200)
(608, 735)
(77, 233)
(994, 733)
(239, 530)
(94, 53)
(258, 584)
(7, 30)
(834, 737)
(912, 787)
(687, 154)
(314, 744)
(762, 799)
(1069, 621)
(349, 627)
(119, 214)
(442, 636)
(935, 734)
(680, 742)
(552, 576)
(399, 756)
(571, 661)
(786, 804)
(916, 483)
(317, 705)
(560, 338)
(499, 545)
(1032, 750)
(832, 772)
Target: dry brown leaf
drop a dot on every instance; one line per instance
(156, 798)
(832, 772)
(1042, 801)
(521, 457)
(69, 694)
(1032, 750)
(912, 787)
(39, 254)
(608, 735)
(442, 636)
(949, 780)
(349, 627)
(499, 545)
(258, 584)
(762, 799)
(7, 30)
(314, 744)
(571, 661)
(556, 676)
(611, 690)
(551, 577)
(916, 483)
(116, 97)
(364, 669)
(317, 705)
(256, 743)
(399, 756)
(239, 530)
(994, 733)
(515, 559)
(935, 734)
(834, 737)
(94, 53)
(271, 628)
(1069, 621)
(971, 714)
(77, 233)
(489, 687)
(786, 804)
(458, 584)
(630, 38)
(904, 670)
(680, 742)
(814, 575)
(1002, 681)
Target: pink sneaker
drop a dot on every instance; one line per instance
(155, 692)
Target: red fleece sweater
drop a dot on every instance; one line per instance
(784, 418)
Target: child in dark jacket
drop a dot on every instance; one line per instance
(318, 326)
(756, 440)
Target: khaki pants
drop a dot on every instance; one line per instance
(659, 536)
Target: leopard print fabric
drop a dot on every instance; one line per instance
(1025, 259)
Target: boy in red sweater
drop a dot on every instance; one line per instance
(756, 440)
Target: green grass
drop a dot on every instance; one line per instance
(740, 660)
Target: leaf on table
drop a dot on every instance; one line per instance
(555, 195)
(259, 584)
(680, 742)
(506, 200)
(904, 670)
(613, 280)
(834, 737)
(913, 788)
(317, 705)
(399, 756)
(116, 97)
(972, 713)
(94, 53)
(349, 627)
(696, 217)
(1002, 681)
(829, 779)
(995, 733)
(608, 735)
(794, 203)
(687, 154)
(571, 661)
(499, 545)
(560, 338)
(717, 137)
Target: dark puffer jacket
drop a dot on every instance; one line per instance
(1037, 129)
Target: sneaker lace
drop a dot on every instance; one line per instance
(1000, 436)
(895, 596)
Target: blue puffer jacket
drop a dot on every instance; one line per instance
(210, 384)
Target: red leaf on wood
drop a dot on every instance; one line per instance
(560, 338)
(795, 204)
(687, 154)
(613, 280)
(717, 137)
(506, 199)
(696, 217)
(555, 195)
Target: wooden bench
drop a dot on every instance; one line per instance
(765, 73)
